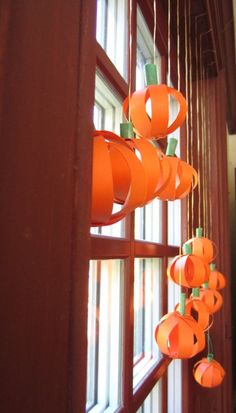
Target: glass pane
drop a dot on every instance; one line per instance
(175, 387)
(174, 222)
(175, 367)
(148, 222)
(152, 403)
(174, 207)
(145, 51)
(147, 312)
(148, 219)
(107, 115)
(104, 336)
(112, 28)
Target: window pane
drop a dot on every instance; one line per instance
(148, 219)
(152, 403)
(174, 222)
(107, 115)
(104, 336)
(174, 207)
(175, 367)
(147, 312)
(148, 222)
(145, 51)
(112, 24)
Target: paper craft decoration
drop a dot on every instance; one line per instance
(208, 372)
(188, 270)
(217, 281)
(212, 298)
(182, 177)
(148, 155)
(111, 157)
(154, 124)
(203, 247)
(198, 310)
(179, 336)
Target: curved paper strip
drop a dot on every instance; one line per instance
(150, 160)
(204, 248)
(108, 149)
(188, 271)
(156, 126)
(212, 298)
(181, 180)
(198, 310)
(217, 281)
(208, 373)
(179, 336)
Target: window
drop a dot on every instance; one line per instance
(152, 403)
(147, 312)
(105, 318)
(127, 282)
(112, 23)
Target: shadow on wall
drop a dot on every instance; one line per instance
(232, 216)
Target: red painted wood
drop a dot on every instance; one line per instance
(82, 165)
(38, 120)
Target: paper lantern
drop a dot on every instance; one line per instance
(179, 336)
(188, 270)
(203, 247)
(198, 310)
(148, 155)
(212, 298)
(217, 280)
(109, 182)
(208, 372)
(155, 124)
(182, 177)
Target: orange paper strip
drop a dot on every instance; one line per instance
(156, 125)
(208, 373)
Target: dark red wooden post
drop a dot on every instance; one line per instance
(45, 166)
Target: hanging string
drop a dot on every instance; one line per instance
(191, 110)
(178, 48)
(130, 53)
(202, 152)
(154, 30)
(187, 97)
(168, 46)
(198, 124)
(204, 139)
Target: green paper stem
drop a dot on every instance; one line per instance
(212, 266)
(126, 130)
(150, 70)
(206, 285)
(210, 356)
(182, 303)
(187, 249)
(196, 292)
(171, 147)
(199, 232)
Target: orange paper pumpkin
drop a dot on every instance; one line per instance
(179, 336)
(188, 270)
(181, 179)
(157, 124)
(198, 310)
(126, 184)
(217, 280)
(212, 299)
(208, 373)
(150, 158)
(203, 247)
